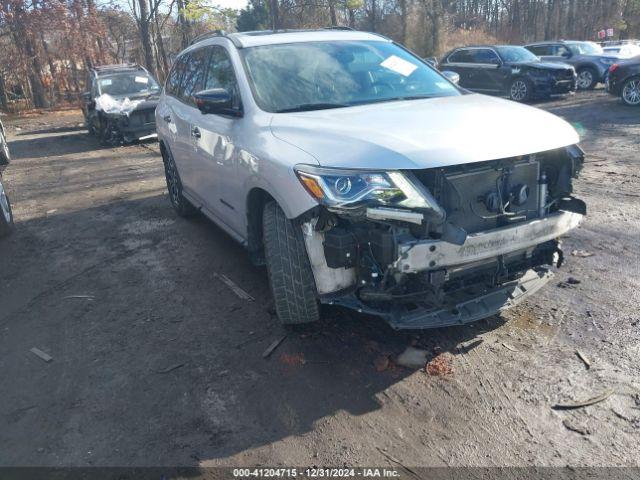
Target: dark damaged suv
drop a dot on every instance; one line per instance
(510, 71)
(120, 105)
(363, 177)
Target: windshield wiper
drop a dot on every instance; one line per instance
(417, 97)
(394, 99)
(306, 107)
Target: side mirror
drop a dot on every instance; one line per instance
(453, 77)
(433, 61)
(566, 55)
(216, 101)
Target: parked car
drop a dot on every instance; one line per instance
(362, 177)
(120, 104)
(628, 50)
(624, 81)
(508, 70)
(6, 215)
(588, 58)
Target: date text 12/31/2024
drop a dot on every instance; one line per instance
(316, 472)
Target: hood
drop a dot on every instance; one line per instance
(603, 56)
(426, 133)
(124, 105)
(543, 65)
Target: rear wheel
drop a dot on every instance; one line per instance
(181, 205)
(587, 79)
(520, 90)
(290, 275)
(6, 216)
(630, 92)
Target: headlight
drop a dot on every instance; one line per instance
(351, 189)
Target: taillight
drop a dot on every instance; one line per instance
(613, 68)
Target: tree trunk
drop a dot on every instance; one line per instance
(274, 15)
(4, 101)
(162, 57)
(185, 25)
(332, 13)
(373, 16)
(403, 21)
(145, 36)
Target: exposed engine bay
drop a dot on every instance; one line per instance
(486, 241)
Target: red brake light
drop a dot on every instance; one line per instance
(613, 67)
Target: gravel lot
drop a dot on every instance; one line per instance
(156, 361)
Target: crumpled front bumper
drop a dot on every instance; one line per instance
(436, 254)
(460, 311)
(480, 300)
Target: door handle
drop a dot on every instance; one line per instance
(195, 132)
(167, 118)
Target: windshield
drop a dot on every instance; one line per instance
(138, 83)
(585, 48)
(309, 76)
(516, 55)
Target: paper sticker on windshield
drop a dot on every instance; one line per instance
(142, 80)
(106, 82)
(399, 65)
(444, 85)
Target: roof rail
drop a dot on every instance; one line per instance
(115, 66)
(217, 33)
(338, 27)
(212, 33)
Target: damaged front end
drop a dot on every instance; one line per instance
(441, 246)
(122, 120)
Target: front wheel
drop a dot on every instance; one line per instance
(6, 216)
(290, 276)
(630, 92)
(520, 90)
(4, 147)
(587, 79)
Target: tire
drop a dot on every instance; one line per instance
(6, 215)
(4, 149)
(630, 92)
(181, 205)
(587, 79)
(520, 90)
(290, 275)
(91, 128)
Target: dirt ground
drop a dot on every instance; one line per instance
(156, 361)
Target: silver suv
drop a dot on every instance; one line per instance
(362, 177)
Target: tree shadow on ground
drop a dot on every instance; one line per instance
(151, 349)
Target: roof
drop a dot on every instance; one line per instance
(101, 70)
(547, 42)
(274, 37)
